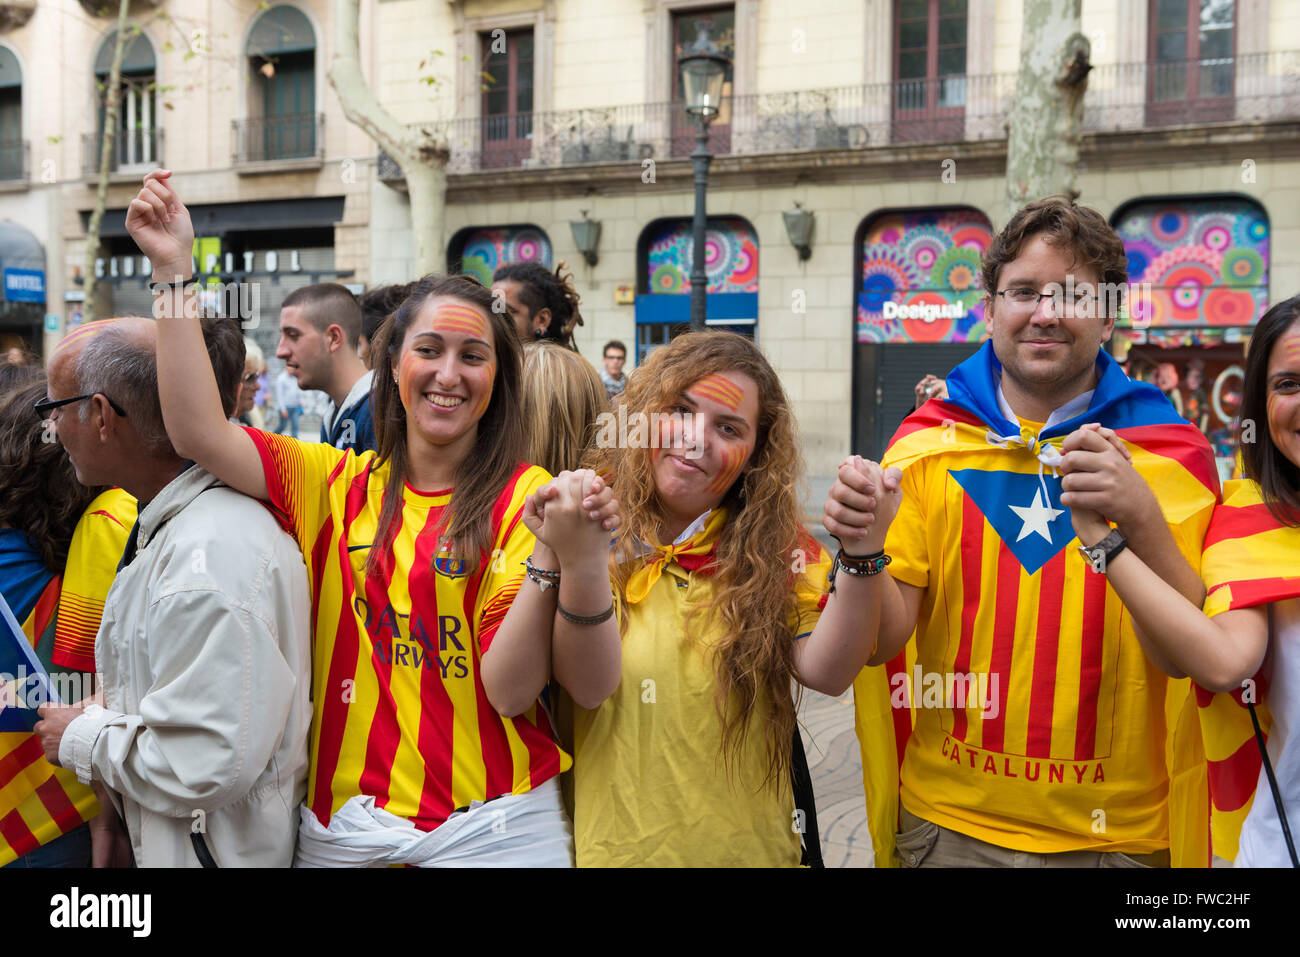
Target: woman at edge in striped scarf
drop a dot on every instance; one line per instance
(1250, 625)
(429, 746)
(722, 604)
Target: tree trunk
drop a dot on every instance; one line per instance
(420, 153)
(1046, 123)
(113, 97)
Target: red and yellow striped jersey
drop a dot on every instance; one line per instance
(96, 548)
(400, 712)
(1023, 712)
(1250, 559)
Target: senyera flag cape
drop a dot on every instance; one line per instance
(964, 427)
(1250, 559)
(38, 802)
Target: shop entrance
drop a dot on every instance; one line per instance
(884, 376)
(1203, 383)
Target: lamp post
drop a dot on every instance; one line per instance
(703, 71)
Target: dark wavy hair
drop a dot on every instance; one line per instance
(1278, 476)
(39, 492)
(498, 449)
(1081, 229)
(543, 289)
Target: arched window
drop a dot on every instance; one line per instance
(666, 256)
(478, 251)
(136, 133)
(12, 150)
(1198, 280)
(919, 278)
(281, 55)
(1200, 265)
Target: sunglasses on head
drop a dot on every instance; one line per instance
(48, 405)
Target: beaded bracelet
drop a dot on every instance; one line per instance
(857, 566)
(544, 578)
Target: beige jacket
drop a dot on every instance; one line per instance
(204, 655)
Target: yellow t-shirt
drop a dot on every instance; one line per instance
(650, 786)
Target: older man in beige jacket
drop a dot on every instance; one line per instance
(203, 649)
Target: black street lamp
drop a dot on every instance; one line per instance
(703, 71)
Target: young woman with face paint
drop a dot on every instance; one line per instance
(428, 744)
(722, 603)
(1248, 633)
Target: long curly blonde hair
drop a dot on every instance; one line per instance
(754, 597)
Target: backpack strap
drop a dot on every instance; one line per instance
(805, 802)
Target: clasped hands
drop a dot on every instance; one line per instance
(573, 516)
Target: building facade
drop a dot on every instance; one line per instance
(883, 119)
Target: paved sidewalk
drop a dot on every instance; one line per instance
(833, 756)
(836, 767)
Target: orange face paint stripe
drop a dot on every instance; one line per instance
(81, 332)
(408, 360)
(733, 457)
(463, 326)
(720, 390)
(459, 318)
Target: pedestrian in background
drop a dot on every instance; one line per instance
(541, 304)
(288, 399)
(615, 354)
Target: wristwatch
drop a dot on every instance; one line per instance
(1104, 552)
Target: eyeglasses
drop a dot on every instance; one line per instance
(248, 379)
(49, 405)
(1023, 299)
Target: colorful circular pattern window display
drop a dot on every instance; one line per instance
(730, 257)
(1206, 262)
(484, 250)
(928, 258)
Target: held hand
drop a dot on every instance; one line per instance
(1098, 476)
(862, 504)
(160, 225)
(55, 719)
(573, 515)
(931, 387)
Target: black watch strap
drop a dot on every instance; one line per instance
(1100, 556)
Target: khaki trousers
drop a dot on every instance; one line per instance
(923, 843)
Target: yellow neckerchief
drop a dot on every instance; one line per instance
(698, 544)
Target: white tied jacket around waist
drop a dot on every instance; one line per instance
(204, 655)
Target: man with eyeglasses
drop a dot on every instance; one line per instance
(615, 381)
(1014, 719)
(203, 654)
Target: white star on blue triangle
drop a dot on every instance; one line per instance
(1033, 526)
(1036, 517)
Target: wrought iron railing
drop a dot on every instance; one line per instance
(13, 161)
(140, 148)
(950, 109)
(284, 136)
